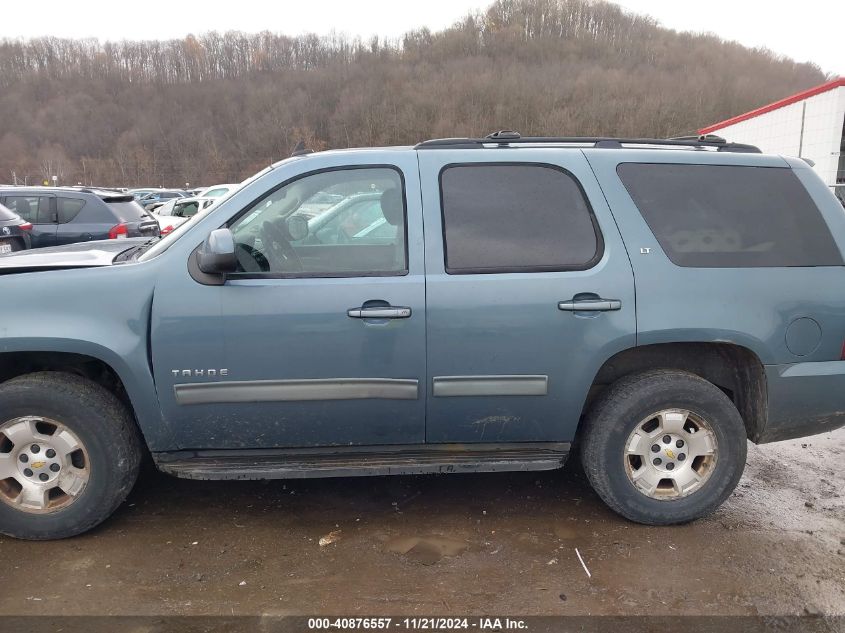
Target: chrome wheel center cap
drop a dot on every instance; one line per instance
(39, 463)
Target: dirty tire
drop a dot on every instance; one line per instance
(110, 437)
(622, 407)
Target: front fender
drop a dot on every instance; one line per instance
(103, 313)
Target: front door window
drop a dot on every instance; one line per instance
(342, 223)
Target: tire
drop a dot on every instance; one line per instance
(100, 472)
(619, 424)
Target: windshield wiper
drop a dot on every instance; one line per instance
(132, 253)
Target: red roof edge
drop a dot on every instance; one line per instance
(811, 92)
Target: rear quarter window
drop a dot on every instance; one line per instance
(68, 209)
(718, 216)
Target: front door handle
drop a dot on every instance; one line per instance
(379, 312)
(590, 305)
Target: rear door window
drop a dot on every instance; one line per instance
(718, 216)
(34, 209)
(500, 218)
(68, 209)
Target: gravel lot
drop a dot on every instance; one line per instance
(429, 545)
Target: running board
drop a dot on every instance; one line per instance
(356, 461)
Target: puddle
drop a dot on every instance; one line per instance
(565, 533)
(426, 549)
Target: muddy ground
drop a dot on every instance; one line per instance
(438, 545)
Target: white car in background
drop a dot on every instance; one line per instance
(167, 207)
(216, 191)
(179, 211)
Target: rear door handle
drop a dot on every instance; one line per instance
(590, 305)
(379, 312)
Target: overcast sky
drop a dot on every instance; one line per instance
(811, 30)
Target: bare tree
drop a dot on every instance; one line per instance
(218, 106)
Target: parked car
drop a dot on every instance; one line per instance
(180, 211)
(157, 198)
(653, 304)
(216, 191)
(14, 232)
(166, 208)
(139, 193)
(67, 215)
(355, 217)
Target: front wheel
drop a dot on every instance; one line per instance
(663, 447)
(69, 455)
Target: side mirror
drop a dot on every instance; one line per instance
(297, 227)
(216, 256)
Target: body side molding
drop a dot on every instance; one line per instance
(493, 385)
(296, 390)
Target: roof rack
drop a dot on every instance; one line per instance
(504, 138)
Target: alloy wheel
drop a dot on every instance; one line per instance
(670, 454)
(43, 465)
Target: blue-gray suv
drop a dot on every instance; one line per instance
(463, 305)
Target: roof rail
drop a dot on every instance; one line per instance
(301, 150)
(504, 138)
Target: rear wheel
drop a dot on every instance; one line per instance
(663, 447)
(69, 455)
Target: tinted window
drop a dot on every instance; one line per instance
(287, 233)
(721, 216)
(128, 211)
(515, 218)
(68, 208)
(215, 193)
(35, 209)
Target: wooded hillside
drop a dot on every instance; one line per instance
(219, 106)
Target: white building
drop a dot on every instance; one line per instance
(810, 124)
